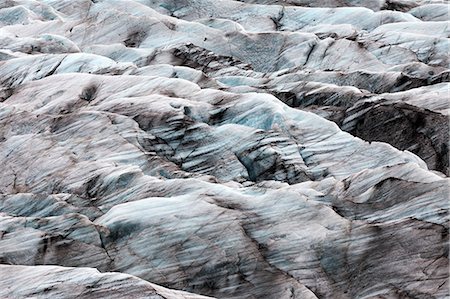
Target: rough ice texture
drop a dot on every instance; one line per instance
(252, 149)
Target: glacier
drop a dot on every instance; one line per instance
(224, 149)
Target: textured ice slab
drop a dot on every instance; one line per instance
(62, 282)
(234, 149)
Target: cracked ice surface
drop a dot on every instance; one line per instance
(231, 149)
